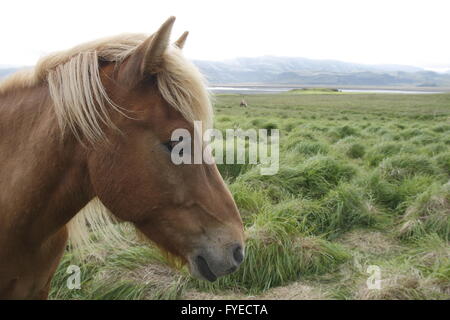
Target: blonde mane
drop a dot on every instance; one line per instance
(81, 106)
(79, 98)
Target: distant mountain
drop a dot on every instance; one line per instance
(272, 64)
(302, 71)
(269, 70)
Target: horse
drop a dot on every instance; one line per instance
(93, 124)
(243, 103)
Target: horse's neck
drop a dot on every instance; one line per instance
(42, 180)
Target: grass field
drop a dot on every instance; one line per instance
(364, 183)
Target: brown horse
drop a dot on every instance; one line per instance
(95, 122)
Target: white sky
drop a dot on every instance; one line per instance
(394, 31)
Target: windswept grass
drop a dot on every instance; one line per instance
(312, 177)
(278, 252)
(428, 213)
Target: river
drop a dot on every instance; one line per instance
(259, 90)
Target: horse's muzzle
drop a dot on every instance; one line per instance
(209, 264)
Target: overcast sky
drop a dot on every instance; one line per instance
(374, 32)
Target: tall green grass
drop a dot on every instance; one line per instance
(277, 252)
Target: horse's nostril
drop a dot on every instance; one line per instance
(232, 269)
(237, 254)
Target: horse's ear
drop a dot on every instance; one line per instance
(148, 57)
(155, 47)
(181, 40)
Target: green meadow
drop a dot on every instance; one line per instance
(363, 185)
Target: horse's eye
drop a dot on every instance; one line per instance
(169, 145)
